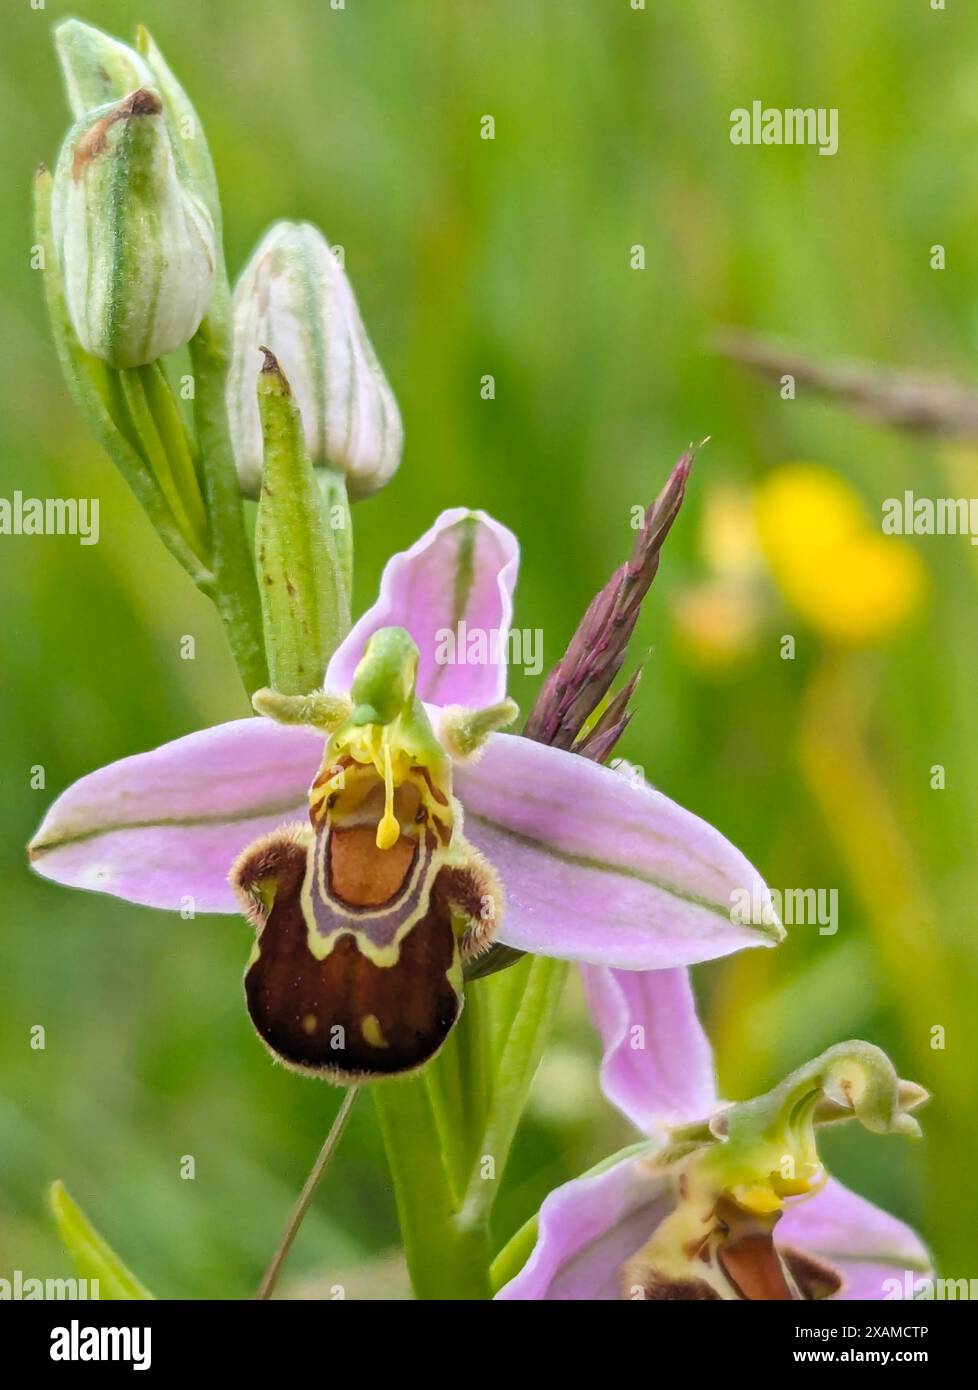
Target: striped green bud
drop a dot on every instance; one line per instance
(136, 245)
(195, 164)
(96, 67)
(295, 298)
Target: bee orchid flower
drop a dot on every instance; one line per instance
(720, 1202)
(379, 831)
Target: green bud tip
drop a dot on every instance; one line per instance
(271, 378)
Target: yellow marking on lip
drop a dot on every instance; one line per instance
(388, 830)
(372, 1031)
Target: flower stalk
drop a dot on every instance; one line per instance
(233, 589)
(447, 1253)
(304, 1201)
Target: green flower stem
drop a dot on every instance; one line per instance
(173, 436)
(472, 1054)
(133, 384)
(519, 1247)
(448, 1131)
(514, 1254)
(459, 1086)
(234, 590)
(443, 1078)
(520, 1006)
(448, 1257)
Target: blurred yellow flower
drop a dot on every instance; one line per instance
(728, 541)
(842, 576)
(718, 620)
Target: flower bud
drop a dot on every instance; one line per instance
(97, 68)
(136, 245)
(294, 297)
(195, 164)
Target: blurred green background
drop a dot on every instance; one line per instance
(512, 258)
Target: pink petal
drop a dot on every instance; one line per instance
(867, 1245)
(163, 827)
(658, 1065)
(457, 579)
(598, 867)
(587, 1230)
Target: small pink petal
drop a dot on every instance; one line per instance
(458, 579)
(866, 1244)
(587, 1229)
(658, 1065)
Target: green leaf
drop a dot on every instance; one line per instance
(92, 1257)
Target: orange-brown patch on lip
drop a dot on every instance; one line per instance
(360, 874)
(752, 1265)
(748, 1255)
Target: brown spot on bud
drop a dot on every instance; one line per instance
(92, 143)
(139, 103)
